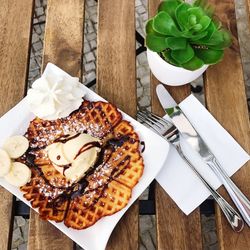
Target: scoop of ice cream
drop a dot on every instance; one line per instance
(79, 154)
(55, 97)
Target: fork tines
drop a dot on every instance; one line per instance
(160, 125)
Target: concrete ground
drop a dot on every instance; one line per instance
(147, 223)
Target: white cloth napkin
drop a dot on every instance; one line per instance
(178, 180)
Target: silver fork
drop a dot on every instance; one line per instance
(169, 132)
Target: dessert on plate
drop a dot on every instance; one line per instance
(78, 161)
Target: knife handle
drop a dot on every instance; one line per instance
(240, 200)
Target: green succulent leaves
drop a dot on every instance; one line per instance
(185, 35)
(164, 24)
(183, 55)
(176, 43)
(209, 56)
(169, 7)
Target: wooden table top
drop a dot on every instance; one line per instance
(116, 81)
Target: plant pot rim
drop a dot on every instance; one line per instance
(170, 74)
(171, 66)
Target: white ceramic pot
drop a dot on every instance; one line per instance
(169, 74)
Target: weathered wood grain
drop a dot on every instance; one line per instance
(63, 47)
(116, 82)
(15, 26)
(175, 230)
(126, 234)
(43, 236)
(248, 10)
(64, 35)
(226, 100)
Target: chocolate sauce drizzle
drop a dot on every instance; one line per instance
(84, 148)
(81, 187)
(65, 167)
(143, 146)
(30, 158)
(88, 146)
(66, 138)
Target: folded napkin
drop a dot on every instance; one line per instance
(176, 177)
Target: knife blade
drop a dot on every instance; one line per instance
(195, 141)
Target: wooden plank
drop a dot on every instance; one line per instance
(64, 35)
(116, 81)
(63, 47)
(248, 10)
(15, 26)
(186, 233)
(226, 100)
(175, 230)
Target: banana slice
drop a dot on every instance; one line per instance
(19, 174)
(5, 163)
(56, 154)
(16, 146)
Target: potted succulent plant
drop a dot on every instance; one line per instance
(182, 40)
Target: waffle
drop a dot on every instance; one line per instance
(95, 118)
(114, 198)
(106, 189)
(37, 190)
(54, 177)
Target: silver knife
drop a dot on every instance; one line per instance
(196, 142)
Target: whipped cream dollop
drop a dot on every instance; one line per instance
(74, 155)
(53, 97)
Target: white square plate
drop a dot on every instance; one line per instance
(16, 121)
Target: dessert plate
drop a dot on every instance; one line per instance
(95, 237)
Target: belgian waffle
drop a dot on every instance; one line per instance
(106, 188)
(95, 118)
